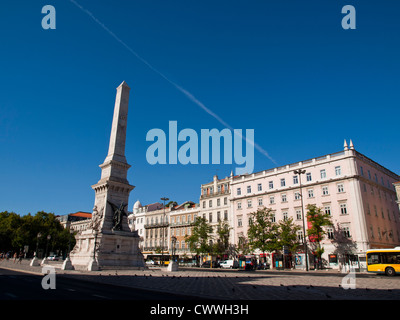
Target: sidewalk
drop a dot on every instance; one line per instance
(238, 285)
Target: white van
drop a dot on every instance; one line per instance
(228, 264)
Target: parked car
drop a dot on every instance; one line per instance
(53, 258)
(229, 264)
(150, 262)
(207, 264)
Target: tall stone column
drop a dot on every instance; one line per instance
(112, 190)
(108, 242)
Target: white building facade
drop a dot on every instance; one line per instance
(354, 190)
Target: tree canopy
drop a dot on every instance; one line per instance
(18, 231)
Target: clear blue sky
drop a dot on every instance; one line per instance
(286, 69)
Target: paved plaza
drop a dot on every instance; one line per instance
(240, 285)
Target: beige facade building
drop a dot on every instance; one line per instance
(354, 190)
(215, 204)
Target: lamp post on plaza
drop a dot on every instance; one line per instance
(163, 232)
(300, 172)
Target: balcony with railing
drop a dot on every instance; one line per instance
(215, 194)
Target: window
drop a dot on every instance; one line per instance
(369, 175)
(340, 187)
(271, 184)
(376, 211)
(343, 208)
(210, 217)
(338, 171)
(295, 179)
(271, 199)
(310, 193)
(284, 198)
(210, 203)
(362, 171)
(218, 202)
(285, 215)
(283, 182)
(204, 204)
(346, 232)
(327, 210)
(273, 218)
(248, 189)
(308, 176)
(239, 205)
(297, 196)
(323, 173)
(368, 209)
(238, 191)
(225, 201)
(300, 237)
(218, 216)
(325, 191)
(239, 222)
(298, 214)
(330, 233)
(260, 201)
(219, 188)
(249, 203)
(226, 215)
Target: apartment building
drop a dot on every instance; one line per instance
(181, 218)
(354, 190)
(215, 205)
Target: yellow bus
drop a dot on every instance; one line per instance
(384, 261)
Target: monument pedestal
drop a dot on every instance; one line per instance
(114, 250)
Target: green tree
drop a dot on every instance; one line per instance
(200, 236)
(318, 219)
(262, 232)
(17, 231)
(287, 235)
(221, 247)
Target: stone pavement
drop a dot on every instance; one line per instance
(241, 285)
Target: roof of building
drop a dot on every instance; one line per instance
(154, 206)
(81, 214)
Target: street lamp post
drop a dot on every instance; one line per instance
(47, 246)
(163, 232)
(300, 172)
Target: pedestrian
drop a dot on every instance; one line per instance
(15, 256)
(20, 257)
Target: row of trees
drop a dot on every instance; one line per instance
(263, 234)
(17, 232)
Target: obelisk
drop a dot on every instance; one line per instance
(108, 242)
(113, 187)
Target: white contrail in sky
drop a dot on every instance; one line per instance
(190, 96)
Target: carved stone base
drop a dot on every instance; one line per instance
(115, 250)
